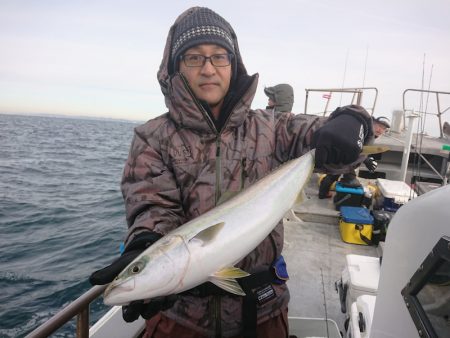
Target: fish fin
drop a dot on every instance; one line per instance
(229, 285)
(208, 234)
(301, 197)
(230, 273)
(374, 149)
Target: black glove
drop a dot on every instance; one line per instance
(133, 249)
(339, 141)
(146, 309)
(371, 164)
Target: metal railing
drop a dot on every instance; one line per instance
(439, 113)
(78, 308)
(356, 98)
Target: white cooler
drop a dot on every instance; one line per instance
(361, 316)
(395, 193)
(360, 277)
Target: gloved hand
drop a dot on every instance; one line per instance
(141, 242)
(146, 309)
(339, 141)
(371, 164)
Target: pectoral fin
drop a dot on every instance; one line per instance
(209, 233)
(226, 279)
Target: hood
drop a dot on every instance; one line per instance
(183, 107)
(282, 95)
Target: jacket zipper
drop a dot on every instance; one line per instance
(217, 316)
(199, 106)
(218, 170)
(215, 299)
(244, 173)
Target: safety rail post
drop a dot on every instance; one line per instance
(83, 323)
(79, 308)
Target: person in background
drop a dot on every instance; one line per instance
(281, 97)
(380, 126)
(446, 129)
(211, 144)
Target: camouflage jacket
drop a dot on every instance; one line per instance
(180, 166)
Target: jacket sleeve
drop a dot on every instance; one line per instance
(152, 198)
(294, 134)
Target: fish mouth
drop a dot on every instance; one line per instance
(117, 286)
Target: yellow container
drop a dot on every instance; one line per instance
(355, 233)
(355, 225)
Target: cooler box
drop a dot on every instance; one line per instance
(361, 317)
(355, 225)
(348, 196)
(360, 277)
(395, 193)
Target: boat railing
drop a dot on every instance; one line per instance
(78, 308)
(356, 98)
(424, 112)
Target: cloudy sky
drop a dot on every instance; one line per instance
(100, 58)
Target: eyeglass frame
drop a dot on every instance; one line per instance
(205, 58)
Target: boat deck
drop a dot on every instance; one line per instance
(315, 255)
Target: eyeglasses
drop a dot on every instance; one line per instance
(198, 60)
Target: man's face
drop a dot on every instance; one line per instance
(208, 82)
(379, 129)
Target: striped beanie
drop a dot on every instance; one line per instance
(201, 26)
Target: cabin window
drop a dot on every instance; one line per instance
(427, 295)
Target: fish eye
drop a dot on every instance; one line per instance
(135, 268)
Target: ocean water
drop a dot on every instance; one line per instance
(61, 214)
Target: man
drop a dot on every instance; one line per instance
(380, 126)
(210, 145)
(281, 97)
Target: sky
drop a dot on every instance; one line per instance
(100, 58)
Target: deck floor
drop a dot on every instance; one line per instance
(315, 255)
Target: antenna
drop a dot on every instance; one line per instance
(365, 66)
(423, 80)
(429, 86)
(343, 79)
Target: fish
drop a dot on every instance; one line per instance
(207, 247)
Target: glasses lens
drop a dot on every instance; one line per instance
(193, 60)
(220, 60)
(198, 60)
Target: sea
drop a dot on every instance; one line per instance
(61, 214)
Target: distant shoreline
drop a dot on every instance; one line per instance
(74, 117)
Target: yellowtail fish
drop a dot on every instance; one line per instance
(207, 247)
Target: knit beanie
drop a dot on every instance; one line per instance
(201, 26)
